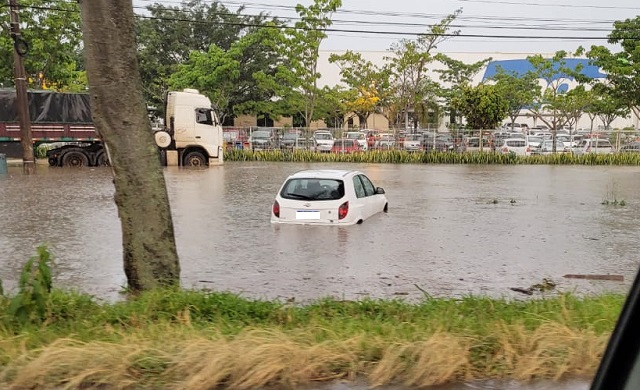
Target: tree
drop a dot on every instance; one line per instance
(52, 31)
(169, 34)
(456, 75)
(555, 73)
(120, 116)
(295, 82)
(622, 68)
(226, 76)
(332, 106)
(414, 90)
(519, 91)
(483, 105)
(368, 83)
(573, 104)
(607, 105)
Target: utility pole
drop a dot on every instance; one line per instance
(20, 50)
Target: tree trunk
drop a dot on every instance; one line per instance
(120, 117)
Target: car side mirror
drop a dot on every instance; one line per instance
(380, 191)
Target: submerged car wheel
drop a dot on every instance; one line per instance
(386, 208)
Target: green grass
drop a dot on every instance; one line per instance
(405, 157)
(162, 338)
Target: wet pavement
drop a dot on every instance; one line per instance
(452, 230)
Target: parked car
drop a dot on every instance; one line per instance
(632, 147)
(327, 197)
(305, 144)
(291, 139)
(441, 144)
(516, 146)
(372, 136)
(593, 145)
(345, 145)
(386, 141)
(359, 136)
(264, 139)
(534, 142)
(412, 142)
(324, 140)
(472, 144)
(546, 147)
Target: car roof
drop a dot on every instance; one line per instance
(322, 173)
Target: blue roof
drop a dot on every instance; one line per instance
(522, 66)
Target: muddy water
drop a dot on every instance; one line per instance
(451, 230)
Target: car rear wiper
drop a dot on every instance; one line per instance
(298, 196)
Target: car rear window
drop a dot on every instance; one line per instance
(516, 143)
(313, 189)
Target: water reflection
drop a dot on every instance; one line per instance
(451, 230)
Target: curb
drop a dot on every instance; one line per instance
(17, 162)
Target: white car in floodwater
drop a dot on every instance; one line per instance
(327, 197)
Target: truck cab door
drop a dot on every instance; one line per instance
(208, 132)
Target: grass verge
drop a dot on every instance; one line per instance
(179, 339)
(406, 157)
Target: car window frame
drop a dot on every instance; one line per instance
(357, 186)
(620, 364)
(368, 191)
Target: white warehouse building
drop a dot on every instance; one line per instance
(508, 61)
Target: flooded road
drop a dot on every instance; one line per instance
(451, 230)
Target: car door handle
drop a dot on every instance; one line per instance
(197, 136)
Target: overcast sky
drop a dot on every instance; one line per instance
(373, 25)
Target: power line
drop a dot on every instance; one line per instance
(355, 31)
(379, 13)
(399, 33)
(551, 5)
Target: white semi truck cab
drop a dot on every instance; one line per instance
(193, 134)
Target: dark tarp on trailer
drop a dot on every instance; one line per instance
(47, 107)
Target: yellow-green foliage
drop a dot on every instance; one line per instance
(406, 157)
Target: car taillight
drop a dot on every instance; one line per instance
(343, 210)
(528, 149)
(276, 209)
(505, 150)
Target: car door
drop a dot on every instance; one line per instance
(374, 202)
(361, 200)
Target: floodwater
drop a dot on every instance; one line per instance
(444, 233)
(451, 230)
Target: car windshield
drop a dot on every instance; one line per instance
(291, 136)
(323, 136)
(261, 134)
(355, 135)
(313, 189)
(516, 143)
(473, 142)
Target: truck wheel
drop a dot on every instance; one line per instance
(75, 159)
(53, 162)
(195, 159)
(102, 160)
